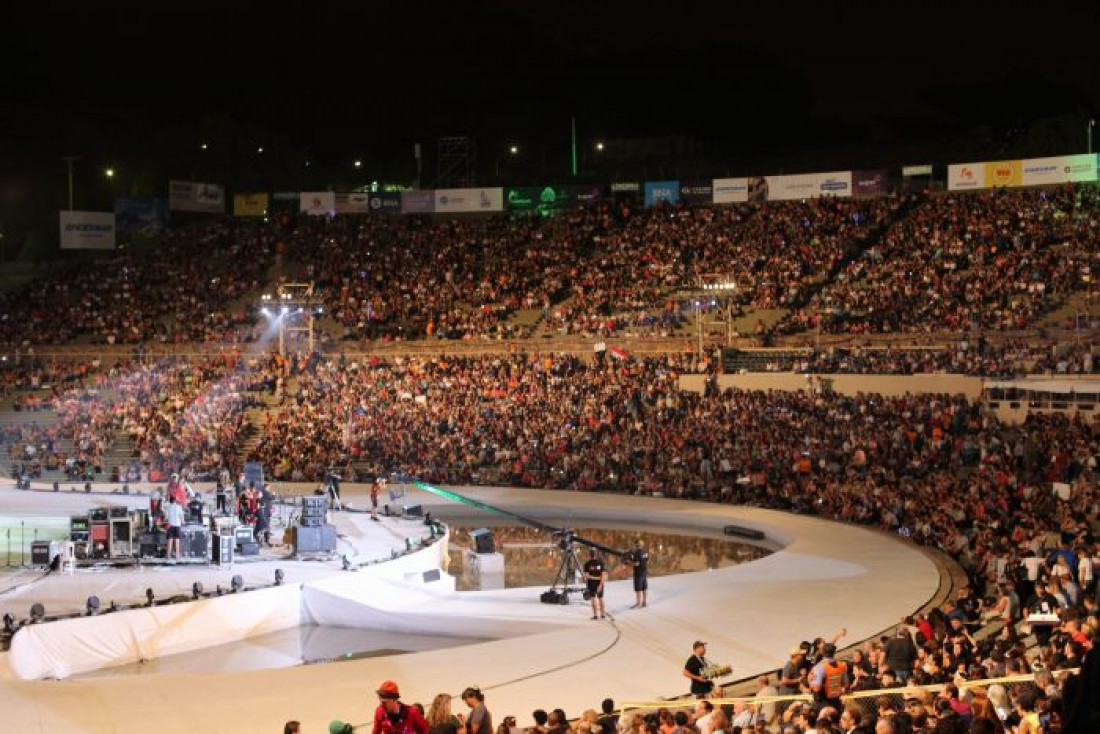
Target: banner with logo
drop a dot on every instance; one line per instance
(317, 203)
(965, 176)
(192, 196)
(730, 190)
(1059, 169)
(417, 202)
(923, 169)
(357, 202)
(250, 205)
(141, 215)
(809, 185)
(87, 230)
(385, 202)
(658, 192)
(1000, 174)
(546, 199)
(625, 187)
(697, 192)
(469, 200)
(870, 183)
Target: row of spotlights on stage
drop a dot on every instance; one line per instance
(719, 286)
(93, 606)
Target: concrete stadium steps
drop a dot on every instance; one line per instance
(1076, 303)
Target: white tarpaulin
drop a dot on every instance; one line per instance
(87, 230)
(67, 647)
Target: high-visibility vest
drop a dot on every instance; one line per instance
(834, 679)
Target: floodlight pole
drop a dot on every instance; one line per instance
(70, 159)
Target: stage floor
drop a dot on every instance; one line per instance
(824, 577)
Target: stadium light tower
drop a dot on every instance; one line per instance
(293, 308)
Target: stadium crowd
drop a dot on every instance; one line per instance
(915, 264)
(994, 261)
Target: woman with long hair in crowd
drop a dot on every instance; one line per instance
(441, 720)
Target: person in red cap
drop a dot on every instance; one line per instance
(394, 717)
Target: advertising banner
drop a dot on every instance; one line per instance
(417, 202)
(657, 192)
(965, 176)
(357, 202)
(1059, 169)
(87, 230)
(469, 200)
(546, 199)
(730, 190)
(1004, 174)
(625, 187)
(870, 183)
(809, 185)
(385, 202)
(141, 215)
(697, 192)
(250, 205)
(318, 203)
(924, 169)
(192, 196)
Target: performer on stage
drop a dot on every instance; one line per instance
(638, 559)
(594, 575)
(693, 669)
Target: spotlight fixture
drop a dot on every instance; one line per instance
(9, 623)
(38, 612)
(150, 597)
(237, 584)
(87, 487)
(279, 576)
(196, 590)
(92, 605)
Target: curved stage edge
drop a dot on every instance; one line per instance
(825, 576)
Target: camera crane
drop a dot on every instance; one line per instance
(566, 539)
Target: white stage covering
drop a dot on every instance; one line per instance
(826, 577)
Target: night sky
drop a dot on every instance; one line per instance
(756, 84)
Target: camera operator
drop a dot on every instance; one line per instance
(595, 573)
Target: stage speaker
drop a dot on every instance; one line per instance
(315, 540)
(412, 511)
(194, 541)
(40, 553)
(223, 549)
(483, 540)
(742, 532)
(432, 575)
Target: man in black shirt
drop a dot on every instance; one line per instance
(594, 575)
(639, 561)
(693, 669)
